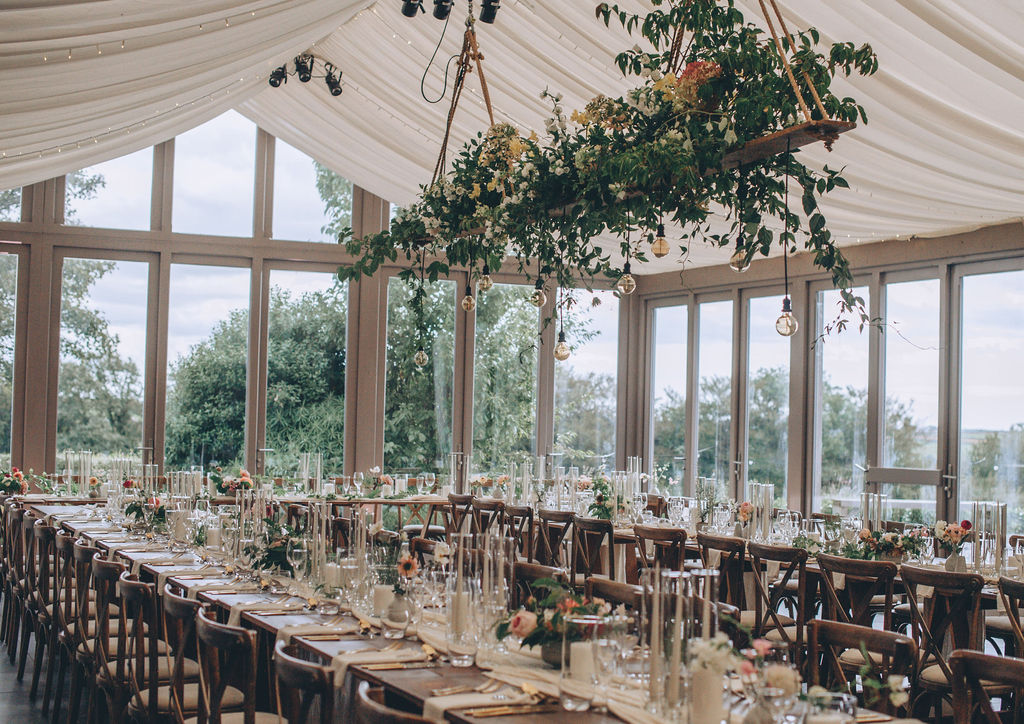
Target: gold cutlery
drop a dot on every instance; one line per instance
(401, 665)
(509, 710)
(872, 718)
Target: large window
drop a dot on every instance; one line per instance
(207, 343)
(714, 408)
(10, 204)
(306, 370)
(504, 377)
(767, 432)
(102, 355)
(418, 400)
(214, 168)
(115, 194)
(841, 408)
(991, 396)
(8, 307)
(668, 397)
(586, 384)
(911, 374)
(311, 202)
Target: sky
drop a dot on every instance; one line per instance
(213, 182)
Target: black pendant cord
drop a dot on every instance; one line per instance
(785, 241)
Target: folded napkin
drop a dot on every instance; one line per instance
(924, 592)
(342, 661)
(133, 546)
(235, 617)
(435, 707)
(139, 562)
(286, 633)
(434, 636)
(173, 571)
(632, 714)
(194, 591)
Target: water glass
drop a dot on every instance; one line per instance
(297, 555)
(577, 680)
(831, 707)
(462, 634)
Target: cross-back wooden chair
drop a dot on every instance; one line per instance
(974, 674)
(82, 648)
(371, 709)
(6, 504)
(134, 679)
(488, 514)
(946, 614)
(658, 505)
(731, 555)
(519, 522)
(17, 584)
(554, 528)
(460, 514)
(112, 637)
(65, 616)
(297, 515)
(891, 654)
(1011, 594)
(341, 531)
(665, 547)
(227, 658)
(422, 549)
(29, 598)
(615, 593)
(894, 526)
(43, 594)
(302, 684)
(525, 575)
(791, 563)
(590, 537)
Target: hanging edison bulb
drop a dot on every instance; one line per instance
(626, 283)
(740, 259)
(420, 358)
(484, 283)
(660, 246)
(786, 324)
(562, 350)
(539, 298)
(469, 301)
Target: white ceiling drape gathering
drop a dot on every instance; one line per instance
(943, 149)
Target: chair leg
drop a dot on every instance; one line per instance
(58, 694)
(26, 635)
(90, 702)
(75, 696)
(50, 664)
(12, 640)
(37, 661)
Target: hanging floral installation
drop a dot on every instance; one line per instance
(709, 131)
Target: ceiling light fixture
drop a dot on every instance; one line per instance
(304, 67)
(489, 10)
(442, 8)
(409, 8)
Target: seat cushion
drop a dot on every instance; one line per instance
(164, 667)
(232, 701)
(999, 624)
(262, 717)
(936, 677)
(747, 618)
(854, 657)
(774, 635)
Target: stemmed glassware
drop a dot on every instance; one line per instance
(298, 555)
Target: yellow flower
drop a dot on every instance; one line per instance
(491, 185)
(534, 137)
(475, 193)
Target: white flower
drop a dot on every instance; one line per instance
(656, 74)
(899, 698)
(781, 676)
(375, 470)
(645, 72)
(442, 552)
(377, 527)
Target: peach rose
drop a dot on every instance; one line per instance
(762, 646)
(745, 511)
(865, 534)
(523, 623)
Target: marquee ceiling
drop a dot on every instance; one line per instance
(943, 149)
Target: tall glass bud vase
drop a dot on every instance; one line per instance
(707, 690)
(676, 629)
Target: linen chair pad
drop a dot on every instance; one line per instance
(262, 717)
(163, 669)
(86, 648)
(934, 676)
(854, 657)
(999, 623)
(774, 635)
(233, 699)
(747, 618)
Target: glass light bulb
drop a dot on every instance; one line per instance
(626, 284)
(786, 324)
(420, 358)
(538, 298)
(562, 351)
(469, 303)
(485, 283)
(739, 261)
(660, 247)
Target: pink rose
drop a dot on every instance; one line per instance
(747, 668)
(523, 624)
(762, 646)
(745, 511)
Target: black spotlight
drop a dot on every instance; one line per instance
(489, 10)
(333, 82)
(442, 8)
(278, 76)
(304, 67)
(409, 7)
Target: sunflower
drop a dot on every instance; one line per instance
(407, 567)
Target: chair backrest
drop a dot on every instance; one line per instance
(970, 669)
(15, 541)
(65, 611)
(45, 565)
(894, 526)
(952, 608)
(142, 627)
(1011, 592)
(83, 555)
(615, 593)
(105, 575)
(371, 709)
(301, 684)
(553, 529)
(422, 549)
(792, 565)
(519, 522)
(180, 634)
(849, 587)
(28, 551)
(658, 505)
(666, 547)
(297, 515)
(731, 553)
(589, 537)
(227, 657)
(827, 640)
(488, 512)
(341, 531)
(525, 575)
(460, 514)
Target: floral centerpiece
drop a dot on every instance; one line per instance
(885, 545)
(951, 536)
(227, 485)
(270, 551)
(147, 510)
(602, 504)
(13, 482)
(542, 621)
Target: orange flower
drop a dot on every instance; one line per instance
(407, 567)
(17, 474)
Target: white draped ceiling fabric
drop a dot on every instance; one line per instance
(943, 149)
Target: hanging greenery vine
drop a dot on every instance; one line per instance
(670, 149)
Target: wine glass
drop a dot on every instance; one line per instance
(357, 482)
(297, 555)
